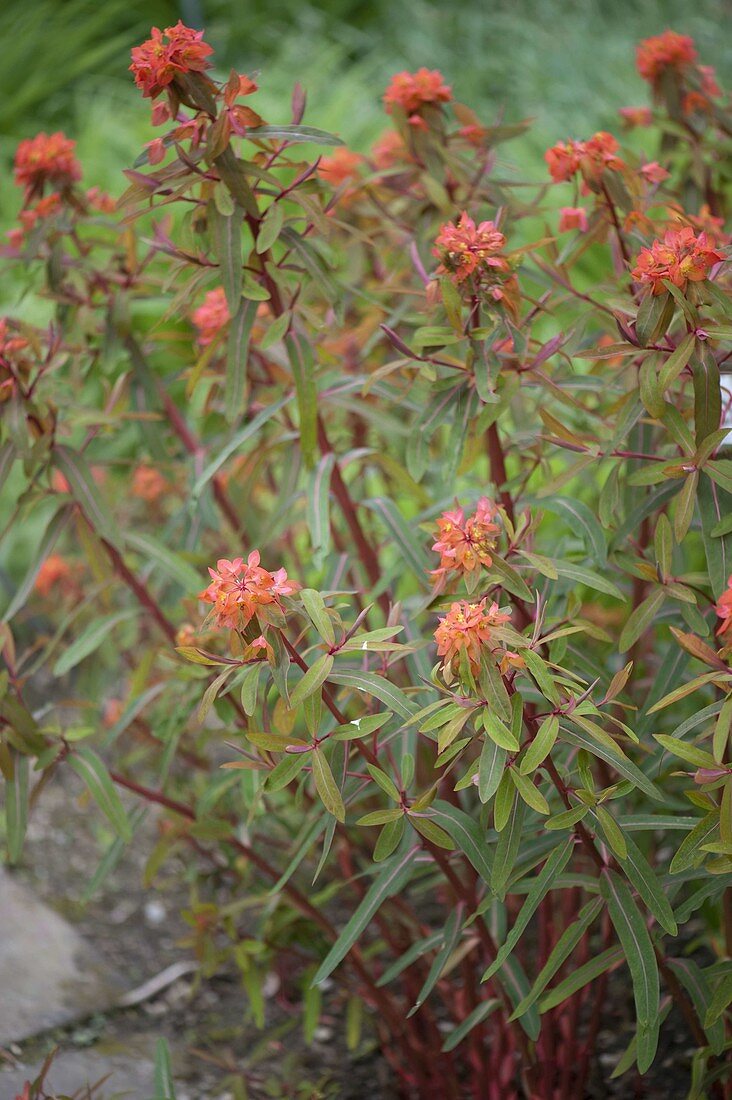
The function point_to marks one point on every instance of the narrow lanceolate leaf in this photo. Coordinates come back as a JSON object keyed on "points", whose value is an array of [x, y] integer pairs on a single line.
{"points": [[318, 614], [480, 1012], [616, 759], [697, 986], [303, 373], [470, 839], [406, 537], [236, 443], [237, 354], [326, 785], [707, 394], [507, 848], [684, 506], [295, 134], [676, 362], [581, 977], [582, 522], [164, 1084], [89, 641], [611, 830], [638, 949], [227, 245], [174, 567], [371, 684], [318, 507], [392, 877], [490, 769], [95, 777], [16, 806], [450, 938], [316, 675], [644, 879], [84, 490], [588, 577], [55, 527], [721, 998], [715, 504], [541, 746], [541, 885], [640, 619], [530, 794], [563, 948], [690, 851]]}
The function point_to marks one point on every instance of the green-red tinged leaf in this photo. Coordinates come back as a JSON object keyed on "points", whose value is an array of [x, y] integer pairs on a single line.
{"points": [[684, 506], [689, 753], [318, 506], [237, 356], [531, 795], [620, 763], [450, 938], [227, 246], [431, 832], [303, 372], [480, 1012], [638, 949], [588, 577], [541, 746], [318, 614], [581, 521], [294, 134], [540, 887], [387, 785], [269, 227], [612, 832], [580, 977], [644, 878], [89, 641], [405, 537], [326, 785], [469, 837], [654, 317], [93, 773], [389, 839], [640, 620], [371, 684], [392, 877], [507, 848], [567, 819], [707, 394], [16, 805], [715, 505], [498, 731], [676, 361], [690, 851], [490, 769]]}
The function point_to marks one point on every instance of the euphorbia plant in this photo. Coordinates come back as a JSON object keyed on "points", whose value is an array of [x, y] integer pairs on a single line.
{"points": [[459, 462]]}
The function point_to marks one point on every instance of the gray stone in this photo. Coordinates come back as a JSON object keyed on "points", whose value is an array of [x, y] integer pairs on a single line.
{"points": [[128, 1067], [48, 974]]}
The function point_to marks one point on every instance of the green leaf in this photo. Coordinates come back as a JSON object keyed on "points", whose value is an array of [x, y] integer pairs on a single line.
{"points": [[236, 443], [676, 361], [644, 879], [164, 1084], [587, 577], [540, 672], [294, 134], [567, 819], [707, 394], [580, 977], [392, 877], [414, 952], [480, 1012], [84, 490], [498, 731], [431, 832], [269, 227], [490, 769], [617, 761], [237, 353], [303, 373], [714, 505], [540, 887], [404, 536], [638, 949], [640, 620], [226, 232], [318, 613], [721, 998], [383, 780], [654, 316], [95, 777], [689, 853], [696, 985], [316, 675], [507, 848], [172, 564], [56, 525], [561, 951], [371, 684], [326, 785], [16, 805], [389, 839], [318, 507], [582, 521], [541, 746], [612, 832], [469, 837], [531, 795], [689, 753], [249, 683], [450, 938], [90, 640]]}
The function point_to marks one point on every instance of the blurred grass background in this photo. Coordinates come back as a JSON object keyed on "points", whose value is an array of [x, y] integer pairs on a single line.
{"points": [[568, 63]]}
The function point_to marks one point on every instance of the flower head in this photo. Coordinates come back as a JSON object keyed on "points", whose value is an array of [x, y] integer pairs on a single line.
{"points": [[467, 248], [413, 91], [724, 609], [343, 165], [239, 589], [148, 484], [466, 545], [54, 572], [157, 62], [211, 316], [468, 628], [572, 217], [591, 157], [636, 116], [664, 51], [681, 257], [46, 158], [653, 172]]}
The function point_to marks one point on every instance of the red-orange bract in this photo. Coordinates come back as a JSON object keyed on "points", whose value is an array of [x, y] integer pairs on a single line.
{"points": [[166, 54]]}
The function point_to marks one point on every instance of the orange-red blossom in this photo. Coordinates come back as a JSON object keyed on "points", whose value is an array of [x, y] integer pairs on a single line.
{"points": [[414, 91], [669, 50], [591, 158], [468, 627], [46, 158], [681, 257], [239, 589], [465, 545], [176, 50], [724, 609], [211, 316]]}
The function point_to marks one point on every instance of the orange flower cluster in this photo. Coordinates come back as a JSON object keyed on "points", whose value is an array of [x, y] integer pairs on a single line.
{"points": [[636, 116], [681, 257], [211, 316], [413, 91], [591, 158], [148, 484], [238, 590], [389, 150], [46, 158], [468, 627], [54, 572], [466, 247], [157, 62], [669, 50], [572, 217], [342, 166], [465, 545], [724, 609]]}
